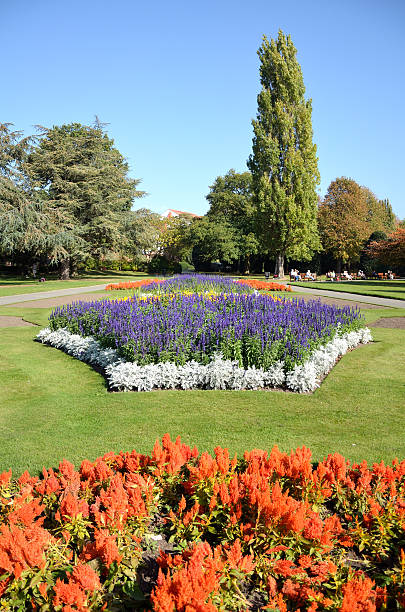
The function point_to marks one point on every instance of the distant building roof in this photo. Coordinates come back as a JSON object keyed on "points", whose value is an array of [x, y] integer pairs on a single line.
{"points": [[170, 212]]}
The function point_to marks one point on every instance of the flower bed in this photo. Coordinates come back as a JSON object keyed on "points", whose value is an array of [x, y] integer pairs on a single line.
{"points": [[198, 283], [252, 340], [217, 374], [196, 331], [179, 531], [132, 284], [254, 330], [263, 285]]}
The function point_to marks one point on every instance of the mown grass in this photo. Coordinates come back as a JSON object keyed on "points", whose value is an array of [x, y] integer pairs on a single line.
{"points": [[54, 406], [16, 286], [383, 288]]}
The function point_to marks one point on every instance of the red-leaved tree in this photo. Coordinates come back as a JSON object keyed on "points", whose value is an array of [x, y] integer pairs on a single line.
{"points": [[390, 251]]}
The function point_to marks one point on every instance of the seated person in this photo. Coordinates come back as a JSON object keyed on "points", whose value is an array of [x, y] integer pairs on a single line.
{"points": [[308, 275], [390, 275], [346, 275], [361, 274]]}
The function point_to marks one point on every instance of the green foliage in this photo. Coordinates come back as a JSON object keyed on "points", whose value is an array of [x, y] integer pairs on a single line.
{"points": [[141, 233], [82, 175], [343, 218], [213, 241], [380, 217], [27, 225], [159, 264], [65, 196], [231, 203], [175, 239], [283, 164]]}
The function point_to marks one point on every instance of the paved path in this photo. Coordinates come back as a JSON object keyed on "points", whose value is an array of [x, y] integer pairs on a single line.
{"points": [[26, 297], [355, 297]]}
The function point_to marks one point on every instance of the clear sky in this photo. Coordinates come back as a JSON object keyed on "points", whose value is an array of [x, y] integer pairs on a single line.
{"points": [[177, 83]]}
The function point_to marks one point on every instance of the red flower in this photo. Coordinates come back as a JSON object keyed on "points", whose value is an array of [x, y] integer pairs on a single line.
{"points": [[71, 507], [22, 548], [86, 577], [104, 546], [5, 478], [69, 593], [358, 596]]}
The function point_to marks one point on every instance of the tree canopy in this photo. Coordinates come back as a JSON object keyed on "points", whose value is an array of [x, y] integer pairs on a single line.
{"points": [[348, 216], [231, 203], [84, 176], [283, 163], [213, 241], [390, 251], [64, 193], [343, 219], [27, 225]]}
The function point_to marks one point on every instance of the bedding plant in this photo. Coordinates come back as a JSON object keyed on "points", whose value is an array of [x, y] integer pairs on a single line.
{"points": [[179, 531], [198, 283]]}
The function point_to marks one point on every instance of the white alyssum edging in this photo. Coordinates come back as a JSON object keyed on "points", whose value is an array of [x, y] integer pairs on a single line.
{"points": [[218, 374]]}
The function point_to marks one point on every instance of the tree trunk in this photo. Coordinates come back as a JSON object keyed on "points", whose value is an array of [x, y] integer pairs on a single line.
{"points": [[64, 269], [279, 269], [339, 266]]}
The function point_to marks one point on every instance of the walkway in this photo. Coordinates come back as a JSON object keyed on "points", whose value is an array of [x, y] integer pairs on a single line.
{"points": [[354, 297], [26, 297]]}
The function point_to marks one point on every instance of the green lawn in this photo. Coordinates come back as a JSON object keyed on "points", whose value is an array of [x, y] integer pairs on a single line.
{"points": [[54, 406], [387, 289], [16, 286]]}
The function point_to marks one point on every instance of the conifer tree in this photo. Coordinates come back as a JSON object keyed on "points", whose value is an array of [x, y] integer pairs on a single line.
{"points": [[83, 177], [283, 163], [28, 228]]}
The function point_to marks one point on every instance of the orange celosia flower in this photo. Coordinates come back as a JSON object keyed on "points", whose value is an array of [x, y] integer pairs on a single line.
{"points": [[358, 596], [71, 506], [69, 593], [86, 577], [104, 546], [133, 284], [262, 285], [22, 548], [5, 478]]}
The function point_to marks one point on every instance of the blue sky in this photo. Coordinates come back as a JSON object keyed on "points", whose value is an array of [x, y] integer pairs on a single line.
{"points": [[177, 83]]}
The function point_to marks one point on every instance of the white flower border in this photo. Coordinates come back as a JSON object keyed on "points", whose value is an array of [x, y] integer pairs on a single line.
{"points": [[218, 374]]}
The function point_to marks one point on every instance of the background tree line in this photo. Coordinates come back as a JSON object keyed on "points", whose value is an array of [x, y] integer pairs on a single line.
{"points": [[66, 199]]}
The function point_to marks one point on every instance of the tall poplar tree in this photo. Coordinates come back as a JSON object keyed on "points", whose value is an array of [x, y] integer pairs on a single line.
{"points": [[283, 163]]}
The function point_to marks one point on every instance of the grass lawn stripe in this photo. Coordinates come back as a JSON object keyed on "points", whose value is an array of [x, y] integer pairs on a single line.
{"points": [[54, 406], [387, 289]]}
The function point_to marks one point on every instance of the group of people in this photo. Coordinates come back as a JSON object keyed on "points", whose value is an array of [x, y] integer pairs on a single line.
{"points": [[297, 276], [331, 275]]}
